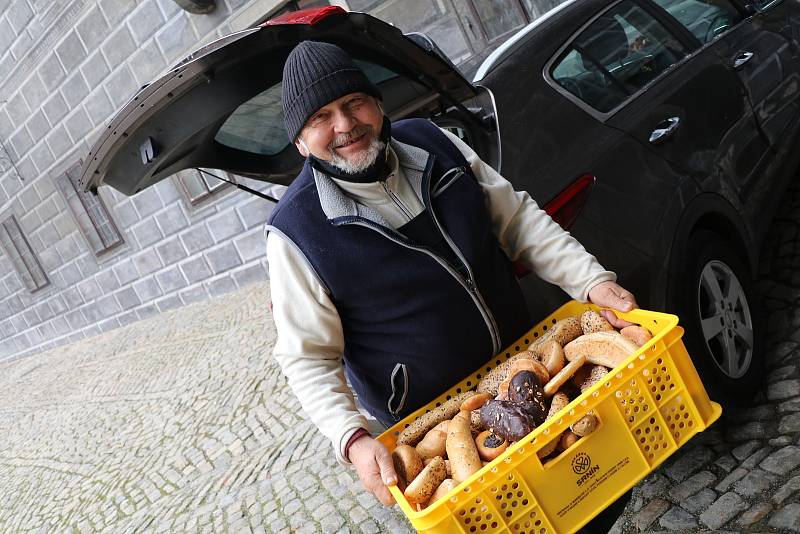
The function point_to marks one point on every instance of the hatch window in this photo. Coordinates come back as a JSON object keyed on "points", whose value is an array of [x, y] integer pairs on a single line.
{"points": [[257, 125], [622, 51]]}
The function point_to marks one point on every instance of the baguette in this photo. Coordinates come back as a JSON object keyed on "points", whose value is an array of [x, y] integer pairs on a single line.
{"points": [[461, 449]]}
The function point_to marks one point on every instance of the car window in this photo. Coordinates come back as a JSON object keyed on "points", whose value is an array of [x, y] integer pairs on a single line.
{"points": [[706, 19], [619, 53], [257, 125]]}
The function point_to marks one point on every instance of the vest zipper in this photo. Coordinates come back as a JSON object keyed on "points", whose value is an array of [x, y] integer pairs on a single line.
{"points": [[467, 283], [397, 201], [470, 279]]}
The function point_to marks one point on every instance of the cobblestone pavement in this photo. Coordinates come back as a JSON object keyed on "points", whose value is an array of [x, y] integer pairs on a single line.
{"points": [[178, 423], [183, 423]]}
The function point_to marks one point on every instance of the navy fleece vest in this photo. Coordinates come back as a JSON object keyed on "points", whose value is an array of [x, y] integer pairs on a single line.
{"points": [[413, 324]]}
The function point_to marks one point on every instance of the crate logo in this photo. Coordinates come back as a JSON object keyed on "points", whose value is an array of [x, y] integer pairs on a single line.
{"points": [[582, 465]]}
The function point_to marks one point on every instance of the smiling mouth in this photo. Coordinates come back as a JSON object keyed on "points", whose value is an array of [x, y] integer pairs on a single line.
{"points": [[351, 141]]}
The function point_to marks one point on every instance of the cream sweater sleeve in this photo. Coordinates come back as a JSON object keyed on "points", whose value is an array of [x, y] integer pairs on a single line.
{"points": [[527, 233], [310, 343]]}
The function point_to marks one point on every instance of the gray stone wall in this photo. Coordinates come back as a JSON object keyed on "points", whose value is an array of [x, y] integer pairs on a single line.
{"points": [[65, 67]]}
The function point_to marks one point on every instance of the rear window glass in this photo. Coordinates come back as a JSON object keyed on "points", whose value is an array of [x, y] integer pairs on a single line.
{"points": [[706, 19], [257, 125], [619, 53]]}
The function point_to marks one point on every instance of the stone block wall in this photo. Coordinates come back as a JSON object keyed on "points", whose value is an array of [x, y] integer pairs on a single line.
{"points": [[65, 67]]}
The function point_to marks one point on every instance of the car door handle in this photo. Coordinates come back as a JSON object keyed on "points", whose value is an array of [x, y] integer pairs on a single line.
{"points": [[741, 59], [664, 130]]}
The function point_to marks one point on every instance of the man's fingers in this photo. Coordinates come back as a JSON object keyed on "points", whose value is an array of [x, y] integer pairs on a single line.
{"points": [[383, 495], [386, 466], [615, 321]]}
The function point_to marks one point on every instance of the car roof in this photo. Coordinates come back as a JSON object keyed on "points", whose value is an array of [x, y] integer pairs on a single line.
{"points": [[504, 49]]}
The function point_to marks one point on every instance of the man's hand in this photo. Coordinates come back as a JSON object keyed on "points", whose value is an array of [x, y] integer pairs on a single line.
{"points": [[612, 295], [374, 466]]}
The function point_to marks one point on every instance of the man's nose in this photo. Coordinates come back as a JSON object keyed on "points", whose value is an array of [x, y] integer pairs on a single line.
{"points": [[344, 122]]}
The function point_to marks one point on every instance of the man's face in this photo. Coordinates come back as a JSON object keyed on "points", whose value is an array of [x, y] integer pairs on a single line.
{"points": [[344, 132]]}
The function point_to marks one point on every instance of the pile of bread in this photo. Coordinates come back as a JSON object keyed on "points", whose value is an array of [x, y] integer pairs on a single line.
{"points": [[446, 445]]}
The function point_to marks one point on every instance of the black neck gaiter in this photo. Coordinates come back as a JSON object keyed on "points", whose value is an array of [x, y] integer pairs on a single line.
{"points": [[376, 172]]}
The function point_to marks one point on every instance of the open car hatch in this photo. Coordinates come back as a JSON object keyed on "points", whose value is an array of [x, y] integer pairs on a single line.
{"points": [[221, 106]]}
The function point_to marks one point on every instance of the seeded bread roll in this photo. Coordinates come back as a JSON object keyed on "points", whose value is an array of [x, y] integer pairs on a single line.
{"points": [[596, 374], [591, 321], [585, 425], [414, 432], [491, 381], [566, 330], [419, 491]]}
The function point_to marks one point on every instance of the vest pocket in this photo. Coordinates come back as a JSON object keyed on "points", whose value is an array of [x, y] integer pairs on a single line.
{"points": [[447, 179], [399, 383]]}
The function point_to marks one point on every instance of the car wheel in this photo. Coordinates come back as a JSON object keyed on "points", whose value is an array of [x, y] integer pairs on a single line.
{"points": [[717, 306]]}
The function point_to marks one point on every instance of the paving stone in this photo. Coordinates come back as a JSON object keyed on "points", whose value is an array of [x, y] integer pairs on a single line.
{"points": [[787, 518], [792, 405], [690, 462], [727, 463], [755, 514], [780, 441], [756, 458], [789, 424], [677, 519], [783, 460], [728, 481], [754, 483], [782, 373], [783, 389], [692, 485], [723, 510], [787, 490], [647, 515]]}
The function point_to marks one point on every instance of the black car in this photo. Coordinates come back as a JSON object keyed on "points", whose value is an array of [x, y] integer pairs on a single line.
{"points": [[660, 132]]}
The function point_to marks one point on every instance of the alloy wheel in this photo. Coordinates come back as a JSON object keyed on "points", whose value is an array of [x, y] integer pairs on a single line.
{"points": [[725, 318]]}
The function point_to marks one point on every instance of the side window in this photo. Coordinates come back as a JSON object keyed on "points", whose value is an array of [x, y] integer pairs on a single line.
{"points": [[90, 213], [198, 186], [706, 19], [618, 54], [21, 254]]}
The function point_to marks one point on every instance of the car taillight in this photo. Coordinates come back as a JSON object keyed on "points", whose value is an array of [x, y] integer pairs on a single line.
{"points": [[306, 16], [567, 205], [564, 209]]}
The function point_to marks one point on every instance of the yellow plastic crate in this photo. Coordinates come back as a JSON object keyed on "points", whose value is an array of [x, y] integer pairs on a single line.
{"points": [[648, 407]]}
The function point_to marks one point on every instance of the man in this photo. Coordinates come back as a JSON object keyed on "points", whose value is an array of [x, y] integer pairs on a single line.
{"points": [[391, 250]]}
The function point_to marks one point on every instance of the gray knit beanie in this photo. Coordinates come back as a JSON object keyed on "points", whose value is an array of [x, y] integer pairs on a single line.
{"points": [[316, 74]]}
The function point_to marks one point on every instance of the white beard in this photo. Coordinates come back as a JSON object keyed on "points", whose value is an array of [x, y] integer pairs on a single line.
{"points": [[360, 161]]}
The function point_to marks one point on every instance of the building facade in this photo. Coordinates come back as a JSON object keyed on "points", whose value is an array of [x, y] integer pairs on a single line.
{"points": [[72, 264]]}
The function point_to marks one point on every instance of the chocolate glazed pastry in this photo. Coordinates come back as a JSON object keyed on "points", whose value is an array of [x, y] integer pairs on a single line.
{"points": [[516, 417], [526, 389]]}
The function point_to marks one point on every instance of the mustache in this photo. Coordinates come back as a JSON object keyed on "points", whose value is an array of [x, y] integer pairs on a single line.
{"points": [[345, 138]]}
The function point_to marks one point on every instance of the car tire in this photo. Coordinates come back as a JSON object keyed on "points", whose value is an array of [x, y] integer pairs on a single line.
{"points": [[718, 308]]}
